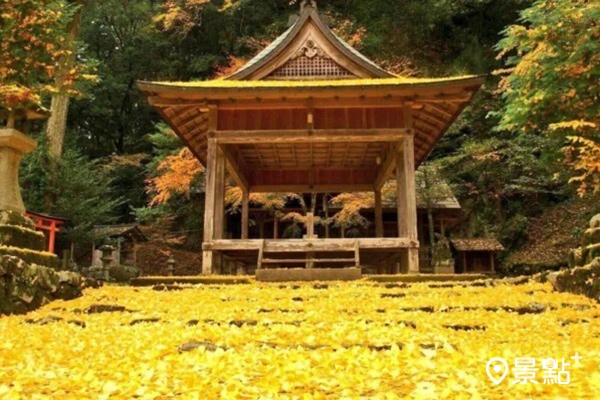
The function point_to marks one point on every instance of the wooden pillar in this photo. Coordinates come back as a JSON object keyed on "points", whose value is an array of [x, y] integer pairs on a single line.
{"points": [[310, 234], [245, 213], [310, 225], [52, 236], [326, 211], [407, 202], [493, 267], [261, 227], [378, 215], [275, 227], [214, 211], [135, 252]]}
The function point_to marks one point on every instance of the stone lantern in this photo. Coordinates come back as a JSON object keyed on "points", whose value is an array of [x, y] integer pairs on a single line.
{"points": [[13, 144], [170, 265]]}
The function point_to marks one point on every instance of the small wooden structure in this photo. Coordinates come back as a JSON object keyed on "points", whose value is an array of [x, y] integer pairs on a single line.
{"points": [[310, 114], [475, 255], [48, 225], [126, 237]]}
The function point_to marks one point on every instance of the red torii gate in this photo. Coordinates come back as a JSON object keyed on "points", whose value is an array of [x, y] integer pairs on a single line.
{"points": [[49, 225]]}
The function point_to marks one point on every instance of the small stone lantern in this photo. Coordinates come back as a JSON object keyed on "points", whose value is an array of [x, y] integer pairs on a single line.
{"points": [[170, 265], [106, 258]]}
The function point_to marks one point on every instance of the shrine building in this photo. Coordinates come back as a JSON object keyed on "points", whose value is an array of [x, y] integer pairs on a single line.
{"points": [[310, 114]]}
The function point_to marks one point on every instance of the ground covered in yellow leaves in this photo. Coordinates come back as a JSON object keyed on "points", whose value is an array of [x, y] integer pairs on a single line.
{"points": [[340, 340]]}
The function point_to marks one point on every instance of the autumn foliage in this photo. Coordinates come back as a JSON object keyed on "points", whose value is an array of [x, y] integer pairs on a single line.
{"points": [[551, 81], [176, 173], [349, 340], [33, 33]]}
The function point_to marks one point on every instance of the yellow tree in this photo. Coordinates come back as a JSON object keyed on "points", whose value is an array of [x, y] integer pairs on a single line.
{"points": [[551, 81]]}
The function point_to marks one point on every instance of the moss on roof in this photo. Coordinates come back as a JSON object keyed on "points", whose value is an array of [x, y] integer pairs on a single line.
{"points": [[223, 83], [477, 244]]}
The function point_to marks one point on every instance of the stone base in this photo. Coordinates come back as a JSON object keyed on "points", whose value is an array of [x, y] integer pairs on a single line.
{"points": [[307, 275], [25, 287], [580, 280], [444, 268], [18, 238], [190, 280]]}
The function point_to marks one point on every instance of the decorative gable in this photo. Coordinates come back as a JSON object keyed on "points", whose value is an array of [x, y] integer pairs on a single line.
{"points": [[310, 61], [309, 49]]}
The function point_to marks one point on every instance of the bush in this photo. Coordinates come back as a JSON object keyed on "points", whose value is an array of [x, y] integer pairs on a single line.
{"points": [[81, 192]]}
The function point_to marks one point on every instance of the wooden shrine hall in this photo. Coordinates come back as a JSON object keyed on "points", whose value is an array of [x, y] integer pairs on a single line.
{"points": [[310, 114]]}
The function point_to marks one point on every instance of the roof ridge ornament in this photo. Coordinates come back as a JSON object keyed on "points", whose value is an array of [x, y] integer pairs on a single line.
{"points": [[308, 3]]}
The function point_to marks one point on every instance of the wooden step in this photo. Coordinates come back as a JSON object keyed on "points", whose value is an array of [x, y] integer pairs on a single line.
{"points": [[305, 260]]}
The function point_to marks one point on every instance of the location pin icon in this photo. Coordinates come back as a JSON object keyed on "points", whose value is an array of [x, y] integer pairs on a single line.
{"points": [[497, 369]]}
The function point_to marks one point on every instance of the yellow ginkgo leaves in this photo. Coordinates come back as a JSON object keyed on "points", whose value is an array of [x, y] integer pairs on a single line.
{"points": [[350, 340]]}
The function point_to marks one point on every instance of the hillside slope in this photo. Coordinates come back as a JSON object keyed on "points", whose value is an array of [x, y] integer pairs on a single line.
{"points": [[551, 235]]}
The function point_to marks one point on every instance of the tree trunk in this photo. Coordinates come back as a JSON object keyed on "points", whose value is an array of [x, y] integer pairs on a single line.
{"points": [[57, 123], [59, 108]]}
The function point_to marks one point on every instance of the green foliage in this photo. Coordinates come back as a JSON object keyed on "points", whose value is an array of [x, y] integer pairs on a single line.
{"points": [[82, 188], [501, 181]]}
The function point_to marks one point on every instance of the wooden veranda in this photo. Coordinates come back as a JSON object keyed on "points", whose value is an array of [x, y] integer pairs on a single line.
{"points": [[310, 114]]}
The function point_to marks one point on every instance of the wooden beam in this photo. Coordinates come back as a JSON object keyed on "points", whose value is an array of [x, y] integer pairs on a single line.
{"points": [[308, 136], [324, 188], [439, 108], [378, 215], [341, 96], [436, 118], [387, 167], [235, 168], [432, 126], [316, 245], [159, 101]]}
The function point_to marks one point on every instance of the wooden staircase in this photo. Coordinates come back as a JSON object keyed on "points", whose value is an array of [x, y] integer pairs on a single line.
{"points": [[309, 257]]}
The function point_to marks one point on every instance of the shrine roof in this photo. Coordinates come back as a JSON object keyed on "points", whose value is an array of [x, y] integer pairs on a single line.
{"points": [[477, 244], [149, 86]]}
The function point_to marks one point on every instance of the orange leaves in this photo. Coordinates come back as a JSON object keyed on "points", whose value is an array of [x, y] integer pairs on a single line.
{"points": [[13, 95], [233, 65], [180, 16], [32, 32], [178, 173]]}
